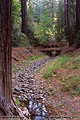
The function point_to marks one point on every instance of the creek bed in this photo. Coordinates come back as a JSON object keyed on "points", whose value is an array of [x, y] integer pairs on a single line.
{"points": [[25, 90], [38, 110]]}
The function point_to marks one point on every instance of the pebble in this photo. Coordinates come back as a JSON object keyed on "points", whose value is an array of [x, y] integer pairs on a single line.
{"points": [[51, 89], [18, 89], [25, 88]]}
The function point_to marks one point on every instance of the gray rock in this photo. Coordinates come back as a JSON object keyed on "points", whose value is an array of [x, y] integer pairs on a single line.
{"points": [[18, 89]]}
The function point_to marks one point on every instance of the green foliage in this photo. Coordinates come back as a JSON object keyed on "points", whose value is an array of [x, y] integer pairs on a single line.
{"points": [[57, 64], [43, 20], [72, 84], [72, 64], [17, 102], [59, 23], [64, 39], [19, 38], [35, 58], [64, 62], [39, 21], [30, 24], [16, 7], [12, 89], [44, 28], [49, 71], [14, 66], [36, 13]]}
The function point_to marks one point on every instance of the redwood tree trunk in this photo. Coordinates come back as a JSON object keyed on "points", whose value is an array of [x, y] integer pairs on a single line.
{"points": [[5, 57], [5, 49], [69, 22], [77, 15], [24, 16]]}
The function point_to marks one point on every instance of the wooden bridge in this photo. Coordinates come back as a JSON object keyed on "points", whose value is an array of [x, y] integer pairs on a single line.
{"points": [[51, 51]]}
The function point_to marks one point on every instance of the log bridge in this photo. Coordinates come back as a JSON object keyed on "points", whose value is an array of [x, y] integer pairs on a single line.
{"points": [[51, 51]]}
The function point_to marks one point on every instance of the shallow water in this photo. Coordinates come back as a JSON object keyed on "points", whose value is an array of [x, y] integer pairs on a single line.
{"points": [[38, 110]]}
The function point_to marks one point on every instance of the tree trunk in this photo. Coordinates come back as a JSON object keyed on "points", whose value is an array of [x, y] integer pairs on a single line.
{"points": [[77, 15], [24, 16], [65, 16], [53, 14], [69, 22], [6, 105], [73, 9]]}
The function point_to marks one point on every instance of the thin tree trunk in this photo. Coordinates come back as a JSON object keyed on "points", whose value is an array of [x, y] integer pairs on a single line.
{"points": [[77, 15], [65, 16], [53, 14], [73, 9], [24, 16], [69, 22], [40, 9]]}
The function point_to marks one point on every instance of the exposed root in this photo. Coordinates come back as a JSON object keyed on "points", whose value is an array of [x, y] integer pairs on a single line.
{"points": [[7, 109]]}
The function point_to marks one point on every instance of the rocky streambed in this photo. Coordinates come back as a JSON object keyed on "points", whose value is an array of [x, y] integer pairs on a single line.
{"points": [[30, 95]]}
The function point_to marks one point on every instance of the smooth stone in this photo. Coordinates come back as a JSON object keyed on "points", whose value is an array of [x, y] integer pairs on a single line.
{"points": [[18, 89]]}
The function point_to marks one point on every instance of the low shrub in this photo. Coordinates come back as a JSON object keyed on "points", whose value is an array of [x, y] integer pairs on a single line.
{"points": [[55, 65], [19, 38], [64, 62], [71, 84]]}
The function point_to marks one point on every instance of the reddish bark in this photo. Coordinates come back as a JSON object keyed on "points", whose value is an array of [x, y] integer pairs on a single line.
{"points": [[6, 103], [69, 22], [5, 49], [77, 15], [24, 16]]}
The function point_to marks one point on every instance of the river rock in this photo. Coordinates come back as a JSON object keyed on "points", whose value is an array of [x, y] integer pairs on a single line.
{"points": [[26, 88], [18, 89]]}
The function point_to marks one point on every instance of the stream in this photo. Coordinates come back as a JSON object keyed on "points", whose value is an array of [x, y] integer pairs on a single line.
{"points": [[39, 110], [28, 92]]}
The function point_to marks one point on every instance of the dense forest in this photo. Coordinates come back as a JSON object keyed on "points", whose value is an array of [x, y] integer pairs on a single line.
{"points": [[45, 21], [39, 59]]}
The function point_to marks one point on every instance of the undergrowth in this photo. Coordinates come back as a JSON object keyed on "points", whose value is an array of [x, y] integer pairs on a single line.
{"points": [[70, 82], [64, 62], [35, 58], [55, 65]]}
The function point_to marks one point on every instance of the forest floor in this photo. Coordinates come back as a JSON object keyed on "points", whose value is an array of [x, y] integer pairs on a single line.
{"points": [[58, 90]]}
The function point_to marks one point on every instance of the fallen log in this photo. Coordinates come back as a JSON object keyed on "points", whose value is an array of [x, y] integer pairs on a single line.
{"points": [[50, 49]]}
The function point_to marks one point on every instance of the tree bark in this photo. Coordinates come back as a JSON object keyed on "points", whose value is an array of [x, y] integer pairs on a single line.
{"points": [[24, 16], [77, 15], [6, 104], [53, 14], [69, 22], [65, 16]]}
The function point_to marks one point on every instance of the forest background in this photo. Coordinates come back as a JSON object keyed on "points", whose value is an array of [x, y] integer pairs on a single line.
{"points": [[47, 21]]}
